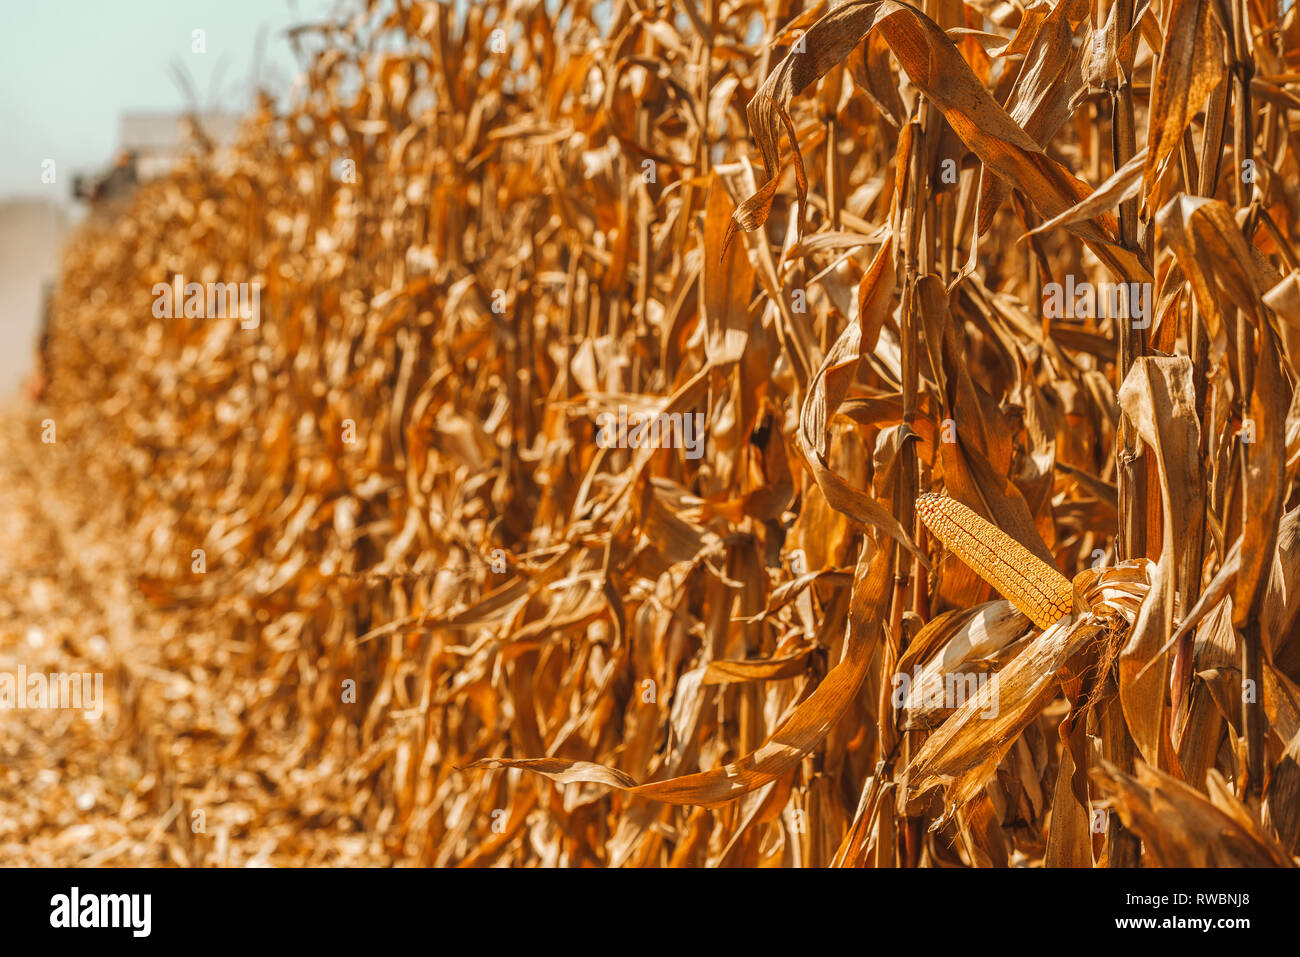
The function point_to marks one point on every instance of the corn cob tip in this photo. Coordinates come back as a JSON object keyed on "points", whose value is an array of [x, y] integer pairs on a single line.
{"points": [[928, 501]]}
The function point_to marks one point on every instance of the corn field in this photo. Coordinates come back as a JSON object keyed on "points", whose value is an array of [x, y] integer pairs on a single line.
{"points": [[727, 433]]}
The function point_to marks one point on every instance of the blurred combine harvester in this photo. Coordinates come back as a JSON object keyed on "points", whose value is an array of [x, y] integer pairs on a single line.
{"points": [[149, 144]]}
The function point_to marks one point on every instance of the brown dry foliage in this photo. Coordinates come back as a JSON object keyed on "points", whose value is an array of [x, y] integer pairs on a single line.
{"points": [[573, 655]]}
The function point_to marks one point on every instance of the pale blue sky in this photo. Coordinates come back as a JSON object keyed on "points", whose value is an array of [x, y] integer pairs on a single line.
{"points": [[69, 68]]}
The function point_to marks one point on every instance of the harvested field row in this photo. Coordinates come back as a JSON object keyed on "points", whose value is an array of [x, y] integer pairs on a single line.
{"points": [[557, 498]]}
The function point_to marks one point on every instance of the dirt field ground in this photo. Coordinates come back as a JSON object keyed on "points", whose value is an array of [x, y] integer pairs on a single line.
{"points": [[76, 791]]}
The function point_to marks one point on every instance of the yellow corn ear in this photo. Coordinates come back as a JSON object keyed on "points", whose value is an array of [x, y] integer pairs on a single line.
{"points": [[1024, 579]]}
